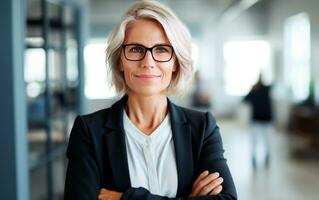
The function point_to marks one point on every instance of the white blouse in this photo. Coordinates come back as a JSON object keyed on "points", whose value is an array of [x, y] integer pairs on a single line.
{"points": [[151, 159]]}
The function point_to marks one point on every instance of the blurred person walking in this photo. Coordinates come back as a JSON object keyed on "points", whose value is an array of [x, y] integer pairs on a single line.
{"points": [[261, 120]]}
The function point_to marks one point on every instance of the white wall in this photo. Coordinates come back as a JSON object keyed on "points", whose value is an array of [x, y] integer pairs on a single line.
{"points": [[279, 11]]}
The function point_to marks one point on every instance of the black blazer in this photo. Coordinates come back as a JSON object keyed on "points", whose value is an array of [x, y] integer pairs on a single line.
{"points": [[97, 154]]}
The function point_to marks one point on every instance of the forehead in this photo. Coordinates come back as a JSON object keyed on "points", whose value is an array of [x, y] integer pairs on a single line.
{"points": [[146, 32]]}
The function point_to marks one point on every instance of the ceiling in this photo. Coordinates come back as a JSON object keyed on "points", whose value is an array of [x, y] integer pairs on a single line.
{"points": [[196, 14], [190, 11]]}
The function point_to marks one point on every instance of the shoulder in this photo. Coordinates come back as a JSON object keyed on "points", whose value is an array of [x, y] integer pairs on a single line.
{"points": [[100, 118], [87, 128], [96, 118], [196, 118], [192, 114], [81, 136]]}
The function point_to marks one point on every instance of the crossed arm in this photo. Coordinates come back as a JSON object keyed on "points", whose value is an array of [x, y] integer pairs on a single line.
{"points": [[205, 184]]}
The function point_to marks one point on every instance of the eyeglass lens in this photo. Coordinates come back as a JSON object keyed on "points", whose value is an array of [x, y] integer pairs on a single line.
{"points": [[160, 53]]}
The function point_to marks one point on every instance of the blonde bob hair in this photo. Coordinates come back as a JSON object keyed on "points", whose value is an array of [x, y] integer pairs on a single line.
{"points": [[177, 34]]}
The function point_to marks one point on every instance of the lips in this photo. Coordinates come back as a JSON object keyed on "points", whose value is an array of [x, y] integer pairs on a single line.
{"points": [[147, 76]]}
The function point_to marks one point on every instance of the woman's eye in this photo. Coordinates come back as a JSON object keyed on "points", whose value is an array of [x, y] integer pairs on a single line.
{"points": [[161, 50], [136, 50]]}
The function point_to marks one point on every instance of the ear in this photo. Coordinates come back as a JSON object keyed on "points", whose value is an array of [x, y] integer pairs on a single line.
{"points": [[176, 64], [174, 68]]}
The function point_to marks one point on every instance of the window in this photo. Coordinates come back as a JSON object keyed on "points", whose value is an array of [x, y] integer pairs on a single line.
{"points": [[34, 71], [96, 84], [244, 61], [297, 55], [34, 65]]}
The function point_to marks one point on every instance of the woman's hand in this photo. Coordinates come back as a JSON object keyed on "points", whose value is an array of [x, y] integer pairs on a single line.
{"points": [[109, 195], [207, 184]]}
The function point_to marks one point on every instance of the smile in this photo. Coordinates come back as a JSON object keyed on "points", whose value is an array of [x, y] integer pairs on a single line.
{"points": [[147, 76]]}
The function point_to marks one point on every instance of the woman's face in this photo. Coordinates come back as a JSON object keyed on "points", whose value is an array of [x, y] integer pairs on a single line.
{"points": [[146, 76]]}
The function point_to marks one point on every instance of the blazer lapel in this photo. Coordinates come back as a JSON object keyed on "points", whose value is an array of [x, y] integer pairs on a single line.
{"points": [[116, 147], [183, 149]]}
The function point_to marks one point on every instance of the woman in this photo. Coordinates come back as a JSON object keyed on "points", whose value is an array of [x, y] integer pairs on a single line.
{"points": [[144, 146]]}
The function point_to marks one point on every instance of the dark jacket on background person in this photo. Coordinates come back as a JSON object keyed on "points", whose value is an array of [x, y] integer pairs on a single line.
{"points": [[259, 98]]}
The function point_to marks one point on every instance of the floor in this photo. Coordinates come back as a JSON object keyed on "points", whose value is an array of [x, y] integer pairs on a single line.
{"points": [[286, 178]]}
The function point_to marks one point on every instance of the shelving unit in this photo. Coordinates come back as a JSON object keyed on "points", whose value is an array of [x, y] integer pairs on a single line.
{"points": [[53, 86]]}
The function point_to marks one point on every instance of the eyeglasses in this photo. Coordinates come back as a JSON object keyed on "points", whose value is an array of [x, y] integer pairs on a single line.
{"points": [[137, 52]]}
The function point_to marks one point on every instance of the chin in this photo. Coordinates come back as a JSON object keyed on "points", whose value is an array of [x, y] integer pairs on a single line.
{"points": [[149, 91]]}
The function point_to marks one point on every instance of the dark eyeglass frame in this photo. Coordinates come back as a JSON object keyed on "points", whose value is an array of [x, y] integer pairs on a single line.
{"points": [[148, 49]]}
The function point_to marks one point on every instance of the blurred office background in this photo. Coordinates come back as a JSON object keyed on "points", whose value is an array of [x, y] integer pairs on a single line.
{"points": [[52, 68]]}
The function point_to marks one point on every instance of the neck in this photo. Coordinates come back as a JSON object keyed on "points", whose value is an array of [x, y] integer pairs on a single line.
{"points": [[146, 112]]}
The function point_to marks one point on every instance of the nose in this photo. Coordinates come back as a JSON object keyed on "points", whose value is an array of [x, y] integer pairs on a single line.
{"points": [[148, 60]]}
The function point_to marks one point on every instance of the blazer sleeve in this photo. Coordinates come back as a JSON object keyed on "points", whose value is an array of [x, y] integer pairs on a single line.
{"points": [[211, 158], [144, 194], [82, 176]]}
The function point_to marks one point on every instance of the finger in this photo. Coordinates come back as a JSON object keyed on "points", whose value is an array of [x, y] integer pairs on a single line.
{"points": [[203, 182], [208, 179], [195, 188], [201, 176], [211, 186], [217, 190], [103, 190], [101, 197]]}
